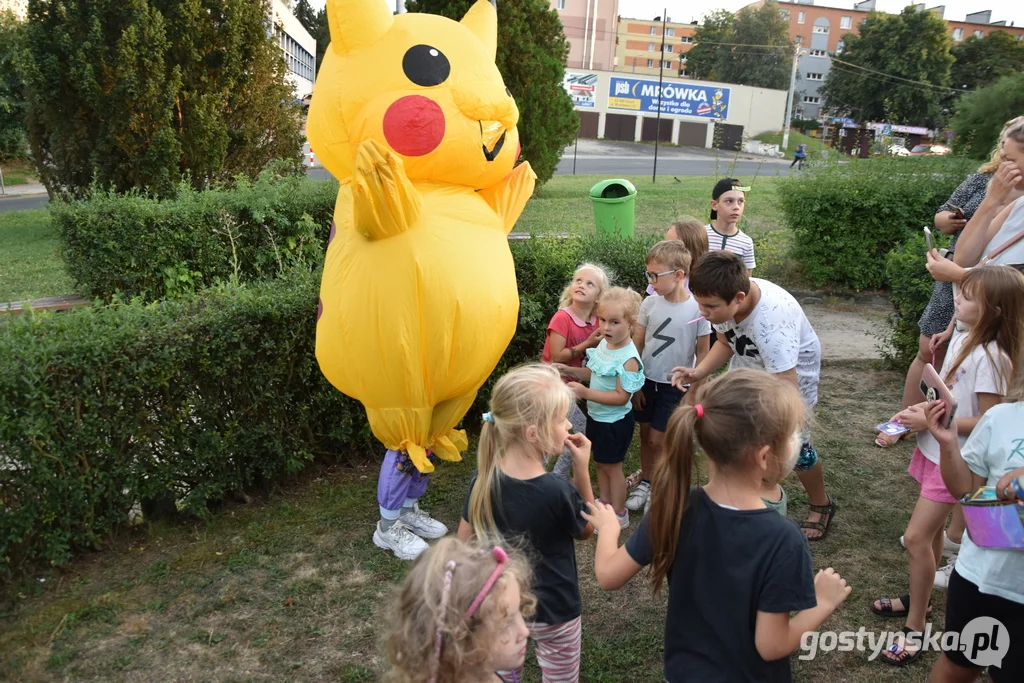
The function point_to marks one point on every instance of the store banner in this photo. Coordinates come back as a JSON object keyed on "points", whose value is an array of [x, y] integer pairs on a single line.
{"points": [[681, 99]]}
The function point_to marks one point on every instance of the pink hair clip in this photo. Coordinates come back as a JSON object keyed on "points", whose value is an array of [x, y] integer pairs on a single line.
{"points": [[501, 557]]}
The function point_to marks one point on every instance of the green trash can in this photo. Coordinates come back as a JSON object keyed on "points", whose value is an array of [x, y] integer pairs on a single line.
{"points": [[614, 207]]}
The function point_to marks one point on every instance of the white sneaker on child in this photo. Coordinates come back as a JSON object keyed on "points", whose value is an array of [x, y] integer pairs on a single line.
{"points": [[623, 519], [942, 575], [398, 539], [422, 524], [638, 498]]}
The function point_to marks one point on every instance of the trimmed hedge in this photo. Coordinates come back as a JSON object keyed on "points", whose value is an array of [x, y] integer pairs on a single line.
{"points": [[139, 246], [910, 288], [846, 217], [190, 399]]}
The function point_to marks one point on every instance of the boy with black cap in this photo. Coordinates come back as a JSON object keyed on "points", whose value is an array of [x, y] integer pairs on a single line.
{"points": [[727, 204]]}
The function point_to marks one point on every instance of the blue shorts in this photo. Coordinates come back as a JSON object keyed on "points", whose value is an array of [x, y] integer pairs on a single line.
{"points": [[660, 399], [609, 441]]}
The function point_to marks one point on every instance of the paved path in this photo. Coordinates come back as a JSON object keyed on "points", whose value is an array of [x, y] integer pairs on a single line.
{"points": [[849, 329]]}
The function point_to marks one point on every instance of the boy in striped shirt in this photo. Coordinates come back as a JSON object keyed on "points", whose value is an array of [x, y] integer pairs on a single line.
{"points": [[727, 203]]}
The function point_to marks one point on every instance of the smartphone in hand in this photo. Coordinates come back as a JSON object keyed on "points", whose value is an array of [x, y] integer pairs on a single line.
{"points": [[958, 213], [928, 238]]}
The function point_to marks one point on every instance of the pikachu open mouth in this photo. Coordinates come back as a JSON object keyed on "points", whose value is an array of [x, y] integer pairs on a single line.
{"points": [[492, 134]]}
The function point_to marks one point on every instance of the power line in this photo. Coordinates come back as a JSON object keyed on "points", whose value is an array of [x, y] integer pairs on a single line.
{"points": [[898, 78], [912, 84]]}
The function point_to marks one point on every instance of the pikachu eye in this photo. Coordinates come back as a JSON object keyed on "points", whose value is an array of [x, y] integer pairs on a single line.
{"points": [[426, 66]]}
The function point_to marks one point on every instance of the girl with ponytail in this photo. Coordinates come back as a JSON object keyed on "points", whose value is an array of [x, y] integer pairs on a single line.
{"points": [[736, 569], [513, 500]]}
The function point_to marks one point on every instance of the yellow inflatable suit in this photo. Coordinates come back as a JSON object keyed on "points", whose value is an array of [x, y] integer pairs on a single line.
{"points": [[418, 298]]}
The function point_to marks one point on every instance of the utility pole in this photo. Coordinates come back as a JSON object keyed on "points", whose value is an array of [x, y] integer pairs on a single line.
{"points": [[661, 78], [789, 98]]}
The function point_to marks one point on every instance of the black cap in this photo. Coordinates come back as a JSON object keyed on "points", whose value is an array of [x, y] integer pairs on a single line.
{"points": [[721, 187]]}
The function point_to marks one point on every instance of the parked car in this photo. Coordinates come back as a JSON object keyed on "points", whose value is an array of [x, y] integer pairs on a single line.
{"points": [[929, 150], [899, 151]]}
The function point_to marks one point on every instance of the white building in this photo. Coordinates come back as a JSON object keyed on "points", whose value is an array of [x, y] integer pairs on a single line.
{"points": [[19, 7], [298, 46]]}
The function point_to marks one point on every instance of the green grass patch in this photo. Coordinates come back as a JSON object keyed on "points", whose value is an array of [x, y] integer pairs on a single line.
{"points": [[292, 586], [795, 138], [18, 172], [30, 265], [563, 204]]}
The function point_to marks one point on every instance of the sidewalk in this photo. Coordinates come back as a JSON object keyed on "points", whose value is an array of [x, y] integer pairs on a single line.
{"points": [[25, 190]]}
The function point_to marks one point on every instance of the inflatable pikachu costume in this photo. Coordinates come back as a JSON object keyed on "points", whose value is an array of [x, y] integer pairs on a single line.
{"points": [[418, 299]]}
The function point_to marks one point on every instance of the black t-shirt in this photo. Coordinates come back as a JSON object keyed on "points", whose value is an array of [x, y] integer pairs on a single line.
{"points": [[729, 565], [541, 517]]}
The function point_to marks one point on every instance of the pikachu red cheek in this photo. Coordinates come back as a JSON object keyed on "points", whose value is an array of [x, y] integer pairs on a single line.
{"points": [[414, 125]]}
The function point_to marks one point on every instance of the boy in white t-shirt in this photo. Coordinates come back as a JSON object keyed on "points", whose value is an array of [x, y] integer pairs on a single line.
{"points": [[728, 199], [764, 328], [669, 332]]}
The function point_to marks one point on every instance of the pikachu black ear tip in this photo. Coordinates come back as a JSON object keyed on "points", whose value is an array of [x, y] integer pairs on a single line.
{"points": [[494, 4]]}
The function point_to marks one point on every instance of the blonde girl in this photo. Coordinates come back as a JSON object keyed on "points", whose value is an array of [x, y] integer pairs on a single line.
{"points": [[981, 361], [614, 372], [459, 616], [735, 568], [511, 496], [572, 330]]}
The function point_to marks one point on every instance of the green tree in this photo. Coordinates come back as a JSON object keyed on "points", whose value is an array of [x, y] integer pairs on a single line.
{"points": [[981, 61], [759, 67], [906, 66], [315, 22], [717, 28], [13, 142], [532, 50], [981, 114], [144, 93]]}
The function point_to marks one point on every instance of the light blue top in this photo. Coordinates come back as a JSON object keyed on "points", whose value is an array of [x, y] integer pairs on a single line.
{"points": [[995, 447], [606, 366]]}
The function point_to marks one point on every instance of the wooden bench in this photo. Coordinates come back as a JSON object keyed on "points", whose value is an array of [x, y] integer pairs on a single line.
{"points": [[52, 303]]}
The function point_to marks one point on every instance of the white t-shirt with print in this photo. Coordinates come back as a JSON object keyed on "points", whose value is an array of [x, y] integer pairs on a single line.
{"points": [[776, 337], [995, 447], [980, 373]]}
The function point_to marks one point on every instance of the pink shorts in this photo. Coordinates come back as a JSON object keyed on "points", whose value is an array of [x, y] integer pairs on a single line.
{"points": [[928, 476]]}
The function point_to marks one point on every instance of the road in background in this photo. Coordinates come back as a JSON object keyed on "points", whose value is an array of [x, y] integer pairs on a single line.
{"points": [[592, 157]]}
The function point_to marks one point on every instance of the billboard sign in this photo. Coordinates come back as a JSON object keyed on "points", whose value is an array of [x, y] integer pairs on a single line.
{"points": [[680, 99], [581, 88]]}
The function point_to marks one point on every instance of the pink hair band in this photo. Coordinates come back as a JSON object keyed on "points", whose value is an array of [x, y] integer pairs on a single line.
{"points": [[501, 557]]}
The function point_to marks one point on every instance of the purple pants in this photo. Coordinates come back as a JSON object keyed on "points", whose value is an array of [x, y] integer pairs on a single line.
{"points": [[399, 479]]}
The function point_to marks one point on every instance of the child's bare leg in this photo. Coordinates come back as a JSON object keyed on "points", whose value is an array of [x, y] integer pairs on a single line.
{"points": [[646, 452], [957, 525], [924, 548], [616, 487], [602, 483]]}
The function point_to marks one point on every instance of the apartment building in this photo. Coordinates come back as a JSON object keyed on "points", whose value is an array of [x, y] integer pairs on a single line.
{"points": [[638, 48], [819, 30], [298, 46], [590, 27]]}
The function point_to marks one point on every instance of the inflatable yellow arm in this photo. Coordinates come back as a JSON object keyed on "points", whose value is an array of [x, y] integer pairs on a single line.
{"points": [[385, 203]]}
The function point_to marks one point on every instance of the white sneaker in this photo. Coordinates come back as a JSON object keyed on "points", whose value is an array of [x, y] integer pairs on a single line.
{"points": [[942, 575], [399, 540], [623, 520], [639, 496], [949, 548], [422, 524]]}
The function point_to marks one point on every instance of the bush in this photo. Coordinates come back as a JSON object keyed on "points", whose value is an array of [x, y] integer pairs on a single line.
{"points": [[185, 400], [910, 288], [846, 217], [143, 247]]}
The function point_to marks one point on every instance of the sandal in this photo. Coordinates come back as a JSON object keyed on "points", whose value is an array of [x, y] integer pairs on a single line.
{"points": [[901, 656], [886, 609], [884, 440], [828, 512]]}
